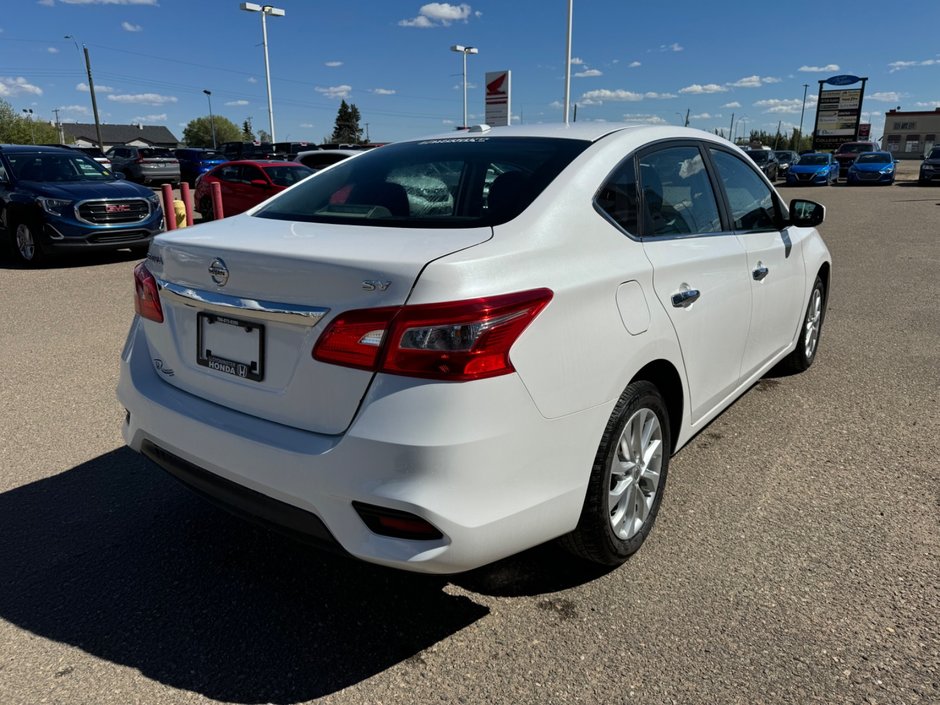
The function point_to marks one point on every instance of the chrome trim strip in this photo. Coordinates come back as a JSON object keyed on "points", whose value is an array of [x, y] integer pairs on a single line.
{"points": [[241, 307]]}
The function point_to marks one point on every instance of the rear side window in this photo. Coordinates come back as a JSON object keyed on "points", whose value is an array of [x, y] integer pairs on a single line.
{"points": [[443, 183], [287, 175], [619, 199]]}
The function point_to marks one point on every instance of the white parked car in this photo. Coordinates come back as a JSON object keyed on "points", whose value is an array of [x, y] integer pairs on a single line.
{"points": [[434, 390]]}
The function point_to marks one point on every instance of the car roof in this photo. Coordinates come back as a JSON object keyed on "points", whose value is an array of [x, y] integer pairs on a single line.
{"points": [[347, 152], [14, 148], [262, 162], [588, 131]]}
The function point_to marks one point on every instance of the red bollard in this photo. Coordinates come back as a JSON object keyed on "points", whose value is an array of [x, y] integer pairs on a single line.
{"points": [[187, 202], [168, 210], [217, 200]]}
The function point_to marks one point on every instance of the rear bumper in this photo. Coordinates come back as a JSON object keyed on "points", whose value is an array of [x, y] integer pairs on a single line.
{"points": [[476, 460]]}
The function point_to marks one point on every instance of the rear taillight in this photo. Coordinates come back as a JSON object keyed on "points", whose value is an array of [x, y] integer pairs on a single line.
{"points": [[455, 341], [146, 294]]}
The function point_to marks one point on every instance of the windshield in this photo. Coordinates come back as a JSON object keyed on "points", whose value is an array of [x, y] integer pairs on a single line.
{"points": [[442, 183], [48, 167], [814, 159], [759, 155], [784, 156], [874, 158], [934, 153], [287, 175]]}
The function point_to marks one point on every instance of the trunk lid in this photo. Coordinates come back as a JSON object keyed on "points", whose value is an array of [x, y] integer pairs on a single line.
{"points": [[273, 288]]}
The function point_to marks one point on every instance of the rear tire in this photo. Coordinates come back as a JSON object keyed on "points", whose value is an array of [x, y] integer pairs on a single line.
{"points": [[205, 209], [627, 479], [803, 356]]}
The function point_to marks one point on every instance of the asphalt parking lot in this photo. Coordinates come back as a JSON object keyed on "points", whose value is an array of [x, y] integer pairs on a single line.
{"points": [[796, 558]]}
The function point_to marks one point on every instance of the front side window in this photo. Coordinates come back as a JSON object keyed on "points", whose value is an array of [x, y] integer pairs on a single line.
{"points": [[441, 183], [677, 195], [751, 200], [286, 175]]}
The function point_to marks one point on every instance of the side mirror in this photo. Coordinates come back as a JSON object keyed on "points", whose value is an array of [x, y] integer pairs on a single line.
{"points": [[260, 183], [806, 214], [118, 174]]}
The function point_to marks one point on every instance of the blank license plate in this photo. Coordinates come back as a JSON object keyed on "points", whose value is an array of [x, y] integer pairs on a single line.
{"points": [[230, 346]]}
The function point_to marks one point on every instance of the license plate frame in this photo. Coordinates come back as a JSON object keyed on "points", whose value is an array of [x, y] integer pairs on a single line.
{"points": [[251, 368]]}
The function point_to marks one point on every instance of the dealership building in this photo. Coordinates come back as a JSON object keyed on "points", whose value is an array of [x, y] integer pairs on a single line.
{"points": [[910, 135]]}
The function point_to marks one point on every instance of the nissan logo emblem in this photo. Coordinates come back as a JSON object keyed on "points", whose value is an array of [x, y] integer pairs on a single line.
{"points": [[218, 271]]}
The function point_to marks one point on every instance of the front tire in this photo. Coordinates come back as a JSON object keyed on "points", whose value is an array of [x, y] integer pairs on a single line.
{"points": [[803, 356], [26, 247], [627, 479]]}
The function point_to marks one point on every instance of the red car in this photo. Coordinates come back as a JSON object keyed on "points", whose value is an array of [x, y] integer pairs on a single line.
{"points": [[245, 184]]}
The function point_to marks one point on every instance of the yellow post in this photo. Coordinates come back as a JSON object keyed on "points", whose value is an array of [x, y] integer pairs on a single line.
{"points": [[179, 212]]}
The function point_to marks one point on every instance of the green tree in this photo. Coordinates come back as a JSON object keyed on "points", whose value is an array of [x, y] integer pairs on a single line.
{"points": [[347, 128], [248, 134], [16, 128], [263, 136], [198, 133]]}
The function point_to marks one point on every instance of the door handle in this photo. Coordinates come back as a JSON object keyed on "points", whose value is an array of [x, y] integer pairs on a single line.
{"points": [[760, 272], [685, 298]]}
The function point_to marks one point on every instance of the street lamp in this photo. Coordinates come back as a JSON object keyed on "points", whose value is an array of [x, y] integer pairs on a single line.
{"points": [[29, 119], [265, 10], [91, 89], [464, 50], [211, 119]]}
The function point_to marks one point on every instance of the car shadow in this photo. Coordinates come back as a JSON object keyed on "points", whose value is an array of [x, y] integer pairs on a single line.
{"points": [[71, 261], [117, 559]]}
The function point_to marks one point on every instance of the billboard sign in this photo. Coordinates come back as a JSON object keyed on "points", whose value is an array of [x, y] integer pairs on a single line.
{"points": [[838, 112], [498, 96], [864, 131]]}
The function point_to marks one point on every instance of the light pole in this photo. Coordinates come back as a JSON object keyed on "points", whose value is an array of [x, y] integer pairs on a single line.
{"points": [[212, 119], [265, 10], [91, 89], [460, 49], [800, 138], [568, 60], [29, 119]]}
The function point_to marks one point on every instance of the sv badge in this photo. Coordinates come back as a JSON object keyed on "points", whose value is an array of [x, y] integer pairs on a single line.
{"points": [[375, 285]]}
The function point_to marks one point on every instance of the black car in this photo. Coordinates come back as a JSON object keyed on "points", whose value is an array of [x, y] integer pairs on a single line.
{"points": [[248, 150], [196, 162], [785, 159], [290, 150], [767, 161], [930, 167], [59, 200]]}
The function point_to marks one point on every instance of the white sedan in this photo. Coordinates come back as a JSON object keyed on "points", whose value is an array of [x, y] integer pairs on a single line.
{"points": [[436, 388]]}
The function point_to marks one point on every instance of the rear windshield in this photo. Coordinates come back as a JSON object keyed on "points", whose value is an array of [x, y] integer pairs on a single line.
{"points": [[442, 183], [151, 152], [759, 155], [875, 158], [287, 175], [208, 154], [784, 156]]}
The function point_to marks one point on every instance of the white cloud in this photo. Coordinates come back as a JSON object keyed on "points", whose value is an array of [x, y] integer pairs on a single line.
{"points": [[732, 104], [128, 27], [237, 103], [634, 64], [705, 116], [145, 119], [671, 47], [589, 73], [447, 122], [885, 96], [785, 105], [439, 14], [52, 50], [80, 109], [644, 118], [771, 79], [556, 104], [696, 88], [83, 87], [928, 104], [384, 91], [307, 125], [898, 65], [819, 69], [17, 86], [575, 61], [251, 79], [333, 64], [335, 91], [747, 82], [619, 96], [143, 98]]}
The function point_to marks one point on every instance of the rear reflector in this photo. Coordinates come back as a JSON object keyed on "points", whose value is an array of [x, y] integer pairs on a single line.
{"points": [[396, 523], [146, 294], [455, 341]]}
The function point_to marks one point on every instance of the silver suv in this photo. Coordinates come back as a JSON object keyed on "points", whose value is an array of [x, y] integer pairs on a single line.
{"points": [[145, 165]]}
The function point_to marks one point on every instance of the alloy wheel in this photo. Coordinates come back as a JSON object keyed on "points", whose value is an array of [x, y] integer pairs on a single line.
{"points": [[25, 244], [813, 316], [635, 473]]}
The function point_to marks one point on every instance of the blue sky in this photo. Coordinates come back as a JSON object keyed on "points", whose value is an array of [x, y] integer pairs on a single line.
{"points": [[635, 61]]}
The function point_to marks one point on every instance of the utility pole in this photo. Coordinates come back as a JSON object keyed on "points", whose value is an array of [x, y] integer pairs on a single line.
{"points": [[58, 126], [731, 129], [688, 110], [799, 143], [91, 89]]}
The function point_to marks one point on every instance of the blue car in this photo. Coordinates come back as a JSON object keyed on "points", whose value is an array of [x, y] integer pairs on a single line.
{"points": [[60, 200], [872, 168], [814, 168], [196, 162]]}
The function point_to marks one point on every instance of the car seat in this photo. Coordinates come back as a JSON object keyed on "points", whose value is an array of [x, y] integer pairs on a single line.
{"points": [[502, 201], [385, 194]]}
